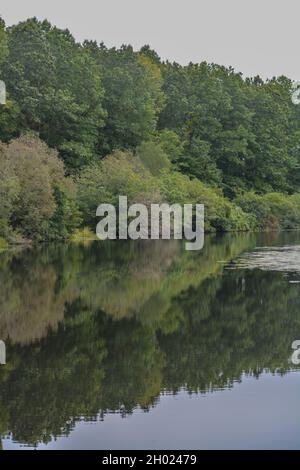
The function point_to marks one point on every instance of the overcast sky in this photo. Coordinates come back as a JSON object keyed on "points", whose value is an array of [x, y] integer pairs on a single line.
{"points": [[254, 36]]}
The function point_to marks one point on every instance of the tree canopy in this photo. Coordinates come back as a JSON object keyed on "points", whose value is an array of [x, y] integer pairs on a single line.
{"points": [[203, 127]]}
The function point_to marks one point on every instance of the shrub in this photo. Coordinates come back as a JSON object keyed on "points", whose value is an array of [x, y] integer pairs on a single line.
{"points": [[31, 187], [120, 173], [272, 211], [220, 213]]}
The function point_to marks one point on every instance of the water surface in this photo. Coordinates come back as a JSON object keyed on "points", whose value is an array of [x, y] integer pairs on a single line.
{"points": [[121, 345]]}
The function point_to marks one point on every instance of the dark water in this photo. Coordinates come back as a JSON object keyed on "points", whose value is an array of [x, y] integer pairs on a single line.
{"points": [[145, 345]]}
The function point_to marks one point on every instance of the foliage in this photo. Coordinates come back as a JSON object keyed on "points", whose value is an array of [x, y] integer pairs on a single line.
{"points": [[133, 96], [36, 197], [153, 157], [121, 173], [272, 211], [83, 235], [220, 214], [57, 87], [3, 244], [123, 122], [3, 41], [240, 134]]}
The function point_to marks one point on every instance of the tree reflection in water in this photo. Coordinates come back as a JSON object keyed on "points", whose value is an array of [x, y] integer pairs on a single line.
{"points": [[109, 326]]}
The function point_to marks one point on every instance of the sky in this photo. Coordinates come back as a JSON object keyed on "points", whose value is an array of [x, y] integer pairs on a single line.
{"points": [[256, 37]]}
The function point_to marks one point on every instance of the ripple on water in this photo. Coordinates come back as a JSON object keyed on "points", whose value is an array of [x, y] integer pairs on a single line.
{"points": [[285, 259]]}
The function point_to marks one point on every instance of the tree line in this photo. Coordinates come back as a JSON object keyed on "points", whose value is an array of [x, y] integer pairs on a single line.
{"points": [[84, 123]]}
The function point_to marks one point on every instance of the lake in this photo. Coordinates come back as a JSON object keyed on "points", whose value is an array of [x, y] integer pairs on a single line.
{"points": [[128, 345]]}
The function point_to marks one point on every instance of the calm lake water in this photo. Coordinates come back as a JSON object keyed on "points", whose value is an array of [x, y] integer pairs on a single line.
{"points": [[127, 345]]}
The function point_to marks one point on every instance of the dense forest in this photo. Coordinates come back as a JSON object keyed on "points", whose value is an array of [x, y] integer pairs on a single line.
{"points": [[84, 123]]}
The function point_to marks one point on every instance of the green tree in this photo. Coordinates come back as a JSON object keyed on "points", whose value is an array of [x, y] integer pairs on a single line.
{"points": [[120, 173], [153, 157], [33, 175], [57, 87], [3, 42], [133, 96]]}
